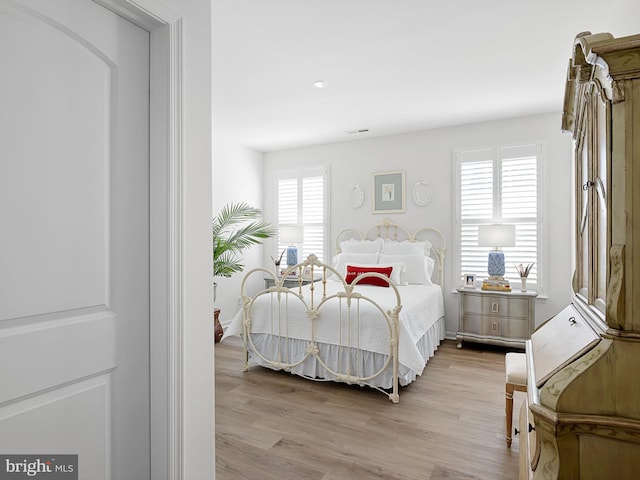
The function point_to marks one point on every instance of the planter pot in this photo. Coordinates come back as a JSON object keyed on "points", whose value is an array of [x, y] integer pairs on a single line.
{"points": [[217, 328]]}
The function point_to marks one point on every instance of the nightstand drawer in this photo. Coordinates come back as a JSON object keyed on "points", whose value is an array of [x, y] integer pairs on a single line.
{"points": [[487, 304], [514, 328]]}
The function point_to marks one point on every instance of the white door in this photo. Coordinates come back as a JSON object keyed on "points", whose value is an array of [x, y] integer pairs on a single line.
{"points": [[74, 236]]}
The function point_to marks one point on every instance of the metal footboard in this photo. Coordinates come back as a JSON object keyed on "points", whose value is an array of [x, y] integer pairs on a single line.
{"points": [[335, 325]]}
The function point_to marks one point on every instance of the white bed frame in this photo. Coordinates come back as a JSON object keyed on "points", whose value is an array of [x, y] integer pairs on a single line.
{"points": [[315, 298], [389, 230]]}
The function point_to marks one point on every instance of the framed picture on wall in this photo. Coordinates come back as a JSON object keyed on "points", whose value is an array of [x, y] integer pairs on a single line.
{"points": [[389, 192]]}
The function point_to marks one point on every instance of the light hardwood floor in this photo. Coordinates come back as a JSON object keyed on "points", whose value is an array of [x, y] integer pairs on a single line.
{"points": [[449, 423]]}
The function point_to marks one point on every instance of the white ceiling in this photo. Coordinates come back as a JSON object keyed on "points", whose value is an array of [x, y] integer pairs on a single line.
{"points": [[391, 66]]}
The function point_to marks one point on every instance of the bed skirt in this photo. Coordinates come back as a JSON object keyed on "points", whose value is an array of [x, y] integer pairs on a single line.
{"points": [[362, 361]]}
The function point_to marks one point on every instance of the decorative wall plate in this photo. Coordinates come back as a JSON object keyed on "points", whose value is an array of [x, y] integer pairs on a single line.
{"points": [[357, 196], [422, 193]]}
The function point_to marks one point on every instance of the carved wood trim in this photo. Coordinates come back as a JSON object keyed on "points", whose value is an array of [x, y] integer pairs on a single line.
{"points": [[621, 335], [615, 290], [619, 428], [617, 88], [620, 63]]}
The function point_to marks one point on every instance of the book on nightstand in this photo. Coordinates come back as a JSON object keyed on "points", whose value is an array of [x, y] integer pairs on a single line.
{"points": [[496, 284]]}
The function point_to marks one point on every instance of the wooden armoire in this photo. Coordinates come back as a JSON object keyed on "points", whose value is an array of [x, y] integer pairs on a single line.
{"points": [[582, 415]]}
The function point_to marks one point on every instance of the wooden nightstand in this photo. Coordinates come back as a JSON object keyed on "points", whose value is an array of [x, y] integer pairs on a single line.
{"points": [[289, 282], [498, 318]]}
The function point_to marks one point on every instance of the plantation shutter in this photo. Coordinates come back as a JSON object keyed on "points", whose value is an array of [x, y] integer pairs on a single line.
{"points": [[313, 215], [499, 185], [476, 207], [520, 206], [302, 200]]}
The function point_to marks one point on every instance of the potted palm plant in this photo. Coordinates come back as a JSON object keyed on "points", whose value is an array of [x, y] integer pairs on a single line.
{"points": [[236, 227]]}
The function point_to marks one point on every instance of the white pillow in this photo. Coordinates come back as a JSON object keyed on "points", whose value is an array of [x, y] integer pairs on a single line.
{"points": [[361, 246], [406, 247], [431, 265], [416, 268], [396, 272], [341, 260]]}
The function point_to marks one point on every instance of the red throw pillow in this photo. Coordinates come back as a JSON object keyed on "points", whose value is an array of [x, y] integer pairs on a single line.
{"points": [[353, 271]]}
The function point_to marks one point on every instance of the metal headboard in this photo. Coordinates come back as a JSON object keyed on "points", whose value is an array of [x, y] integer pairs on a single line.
{"points": [[389, 230]]}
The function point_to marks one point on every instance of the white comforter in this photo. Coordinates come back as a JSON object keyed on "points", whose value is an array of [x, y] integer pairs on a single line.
{"points": [[422, 305]]}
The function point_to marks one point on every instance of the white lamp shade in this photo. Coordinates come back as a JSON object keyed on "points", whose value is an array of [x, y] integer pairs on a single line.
{"points": [[292, 234], [496, 235]]}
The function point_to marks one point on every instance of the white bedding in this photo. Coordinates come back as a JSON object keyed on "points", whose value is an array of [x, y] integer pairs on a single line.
{"points": [[422, 307]]}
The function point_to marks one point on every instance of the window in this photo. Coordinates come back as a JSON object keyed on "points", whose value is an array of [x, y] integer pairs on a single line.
{"points": [[302, 200], [499, 185]]}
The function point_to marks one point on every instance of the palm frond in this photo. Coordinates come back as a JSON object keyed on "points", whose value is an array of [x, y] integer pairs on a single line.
{"points": [[234, 229], [227, 265]]}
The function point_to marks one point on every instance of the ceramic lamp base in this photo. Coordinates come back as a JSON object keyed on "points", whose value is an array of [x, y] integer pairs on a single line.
{"points": [[496, 263], [292, 256]]}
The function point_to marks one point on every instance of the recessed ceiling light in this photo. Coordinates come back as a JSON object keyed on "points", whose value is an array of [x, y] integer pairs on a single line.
{"points": [[320, 84]]}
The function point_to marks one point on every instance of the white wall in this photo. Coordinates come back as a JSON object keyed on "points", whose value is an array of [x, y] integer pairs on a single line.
{"points": [[427, 155], [237, 177], [621, 18]]}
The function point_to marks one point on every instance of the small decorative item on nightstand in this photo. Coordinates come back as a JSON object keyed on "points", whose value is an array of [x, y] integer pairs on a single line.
{"points": [[496, 284], [278, 261], [524, 273], [496, 236], [469, 280], [307, 273], [292, 235]]}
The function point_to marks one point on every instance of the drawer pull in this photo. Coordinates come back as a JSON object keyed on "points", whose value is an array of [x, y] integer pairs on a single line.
{"points": [[531, 428], [572, 320], [495, 307]]}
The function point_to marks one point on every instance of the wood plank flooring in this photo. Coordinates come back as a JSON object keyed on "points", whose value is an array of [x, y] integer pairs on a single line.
{"points": [[448, 425]]}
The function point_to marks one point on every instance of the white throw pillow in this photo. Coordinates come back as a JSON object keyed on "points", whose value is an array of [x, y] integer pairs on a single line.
{"points": [[396, 273], [416, 268]]}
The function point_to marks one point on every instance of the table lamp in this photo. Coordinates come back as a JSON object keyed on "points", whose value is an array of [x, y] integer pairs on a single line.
{"points": [[291, 235], [496, 236]]}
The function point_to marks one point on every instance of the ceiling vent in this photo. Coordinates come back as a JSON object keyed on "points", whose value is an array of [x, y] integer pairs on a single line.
{"points": [[362, 130]]}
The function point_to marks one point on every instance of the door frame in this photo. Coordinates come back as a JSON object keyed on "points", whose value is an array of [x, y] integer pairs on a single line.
{"points": [[165, 230]]}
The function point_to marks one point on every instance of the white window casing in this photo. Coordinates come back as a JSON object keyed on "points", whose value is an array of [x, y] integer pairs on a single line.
{"points": [[302, 199], [500, 184]]}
